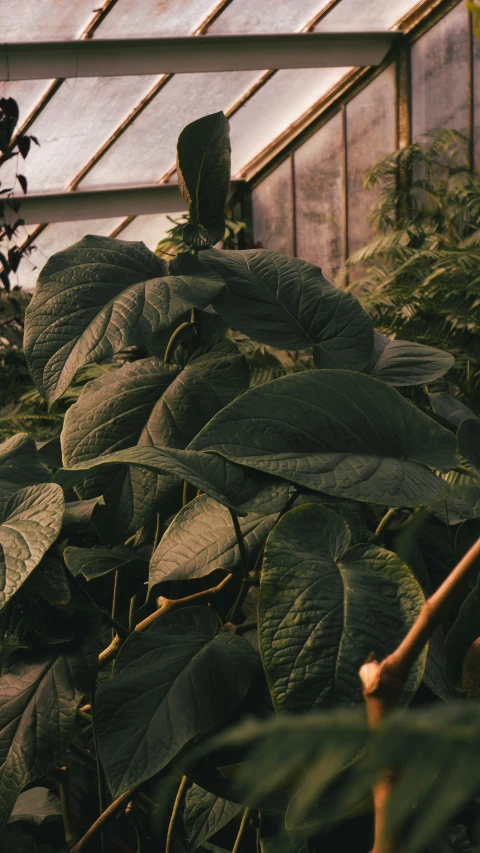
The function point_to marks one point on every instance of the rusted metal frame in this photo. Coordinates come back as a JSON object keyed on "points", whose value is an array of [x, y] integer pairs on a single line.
{"points": [[122, 225], [345, 182], [403, 85], [294, 205], [139, 108], [55, 84], [424, 16], [413, 25], [312, 120], [471, 93], [264, 78]]}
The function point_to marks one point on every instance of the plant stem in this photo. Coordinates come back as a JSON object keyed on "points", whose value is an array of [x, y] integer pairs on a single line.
{"points": [[176, 808], [385, 523], [172, 603], [243, 824], [168, 605], [172, 340], [185, 493], [383, 682], [131, 612], [100, 777], [241, 545], [158, 528], [70, 834], [104, 817]]}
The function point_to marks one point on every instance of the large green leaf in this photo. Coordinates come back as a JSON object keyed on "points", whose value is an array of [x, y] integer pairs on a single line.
{"points": [[338, 432], [469, 441], [462, 503], [201, 538], [20, 466], [32, 520], [98, 296], [224, 481], [146, 404], [407, 363], [37, 806], [205, 814], [96, 562], [449, 408], [175, 681], [464, 631], [324, 607], [203, 168], [288, 303], [39, 693]]}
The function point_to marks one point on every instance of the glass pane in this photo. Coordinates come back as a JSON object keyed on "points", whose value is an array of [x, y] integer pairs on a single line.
{"points": [[269, 16], [319, 198], [282, 100], [56, 237], [476, 105], [352, 15], [272, 208], [44, 20], [440, 75], [147, 149], [370, 135], [27, 94], [148, 228], [75, 123], [150, 18]]}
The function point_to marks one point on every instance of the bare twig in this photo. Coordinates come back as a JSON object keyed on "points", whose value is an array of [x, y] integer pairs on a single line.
{"points": [[383, 683], [112, 810], [176, 808]]}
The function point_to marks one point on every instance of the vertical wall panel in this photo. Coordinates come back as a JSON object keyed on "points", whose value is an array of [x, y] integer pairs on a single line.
{"points": [[476, 102], [440, 75], [319, 198], [272, 211], [371, 133]]}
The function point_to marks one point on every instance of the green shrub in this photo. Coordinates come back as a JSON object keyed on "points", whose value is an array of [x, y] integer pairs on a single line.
{"points": [[249, 546]]}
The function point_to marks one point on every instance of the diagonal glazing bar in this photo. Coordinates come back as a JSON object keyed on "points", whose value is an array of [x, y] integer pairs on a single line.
{"points": [[125, 57]]}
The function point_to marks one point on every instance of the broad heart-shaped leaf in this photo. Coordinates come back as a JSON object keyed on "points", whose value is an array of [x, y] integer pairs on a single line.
{"points": [[20, 466], [407, 363], [201, 538], [338, 432], [464, 631], [325, 607], [203, 168], [39, 693], [224, 481], [175, 681], [462, 503], [37, 805], [98, 296], [205, 814], [96, 562], [145, 403], [288, 303], [31, 523], [469, 441], [449, 408]]}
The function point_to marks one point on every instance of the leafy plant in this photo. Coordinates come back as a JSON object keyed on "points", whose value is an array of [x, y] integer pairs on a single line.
{"points": [[196, 570], [419, 277]]}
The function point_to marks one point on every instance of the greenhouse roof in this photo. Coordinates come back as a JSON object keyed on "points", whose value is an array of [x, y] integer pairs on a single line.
{"points": [[107, 90]]}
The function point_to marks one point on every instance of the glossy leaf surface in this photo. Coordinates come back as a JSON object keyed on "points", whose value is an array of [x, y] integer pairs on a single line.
{"points": [[288, 303], [338, 432], [325, 607], [176, 680], [98, 296]]}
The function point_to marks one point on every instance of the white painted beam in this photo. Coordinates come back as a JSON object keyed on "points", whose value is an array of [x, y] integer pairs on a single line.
{"points": [[97, 204], [110, 58]]}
